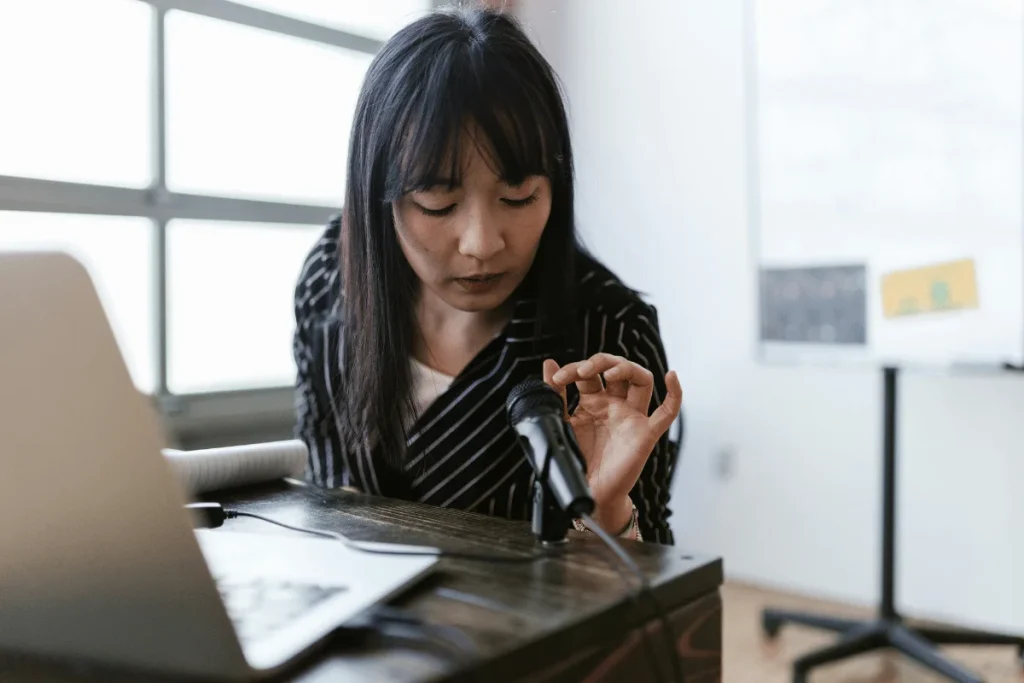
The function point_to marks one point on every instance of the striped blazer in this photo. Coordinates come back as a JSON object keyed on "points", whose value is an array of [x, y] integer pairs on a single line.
{"points": [[461, 452]]}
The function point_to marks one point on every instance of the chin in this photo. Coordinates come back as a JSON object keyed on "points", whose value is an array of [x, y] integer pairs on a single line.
{"points": [[478, 303]]}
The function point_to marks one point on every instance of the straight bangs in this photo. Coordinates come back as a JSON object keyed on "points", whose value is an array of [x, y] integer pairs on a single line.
{"points": [[472, 98]]}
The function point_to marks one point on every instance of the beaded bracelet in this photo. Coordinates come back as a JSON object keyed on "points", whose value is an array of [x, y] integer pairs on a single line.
{"points": [[632, 530]]}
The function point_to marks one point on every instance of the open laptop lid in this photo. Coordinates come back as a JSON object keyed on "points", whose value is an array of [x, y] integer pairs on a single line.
{"points": [[94, 541]]}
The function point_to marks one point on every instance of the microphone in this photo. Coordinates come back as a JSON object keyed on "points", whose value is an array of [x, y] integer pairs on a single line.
{"points": [[535, 412]]}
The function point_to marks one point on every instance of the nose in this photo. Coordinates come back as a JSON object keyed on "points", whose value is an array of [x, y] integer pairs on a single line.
{"points": [[482, 238]]}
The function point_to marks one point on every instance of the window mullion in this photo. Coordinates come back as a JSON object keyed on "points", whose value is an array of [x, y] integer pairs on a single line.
{"points": [[158, 193]]}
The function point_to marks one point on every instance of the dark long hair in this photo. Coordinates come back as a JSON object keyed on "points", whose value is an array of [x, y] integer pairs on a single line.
{"points": [[427, 85]]}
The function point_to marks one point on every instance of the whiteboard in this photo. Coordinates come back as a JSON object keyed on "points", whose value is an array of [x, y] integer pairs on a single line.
{"points": [[886, 136]]}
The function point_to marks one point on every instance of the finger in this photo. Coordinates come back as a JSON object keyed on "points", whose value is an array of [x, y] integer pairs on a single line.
{"points": [[599, 365], [639, 384], [662, 418], [618, 389], [615, 383], [586, 385], [550, 369]]}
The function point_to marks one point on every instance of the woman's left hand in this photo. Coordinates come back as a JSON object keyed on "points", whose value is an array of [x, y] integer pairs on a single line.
{"points": [[612, 427]]}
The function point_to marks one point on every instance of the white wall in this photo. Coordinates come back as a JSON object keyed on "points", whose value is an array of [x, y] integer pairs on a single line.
{"points": [[656, 94]]}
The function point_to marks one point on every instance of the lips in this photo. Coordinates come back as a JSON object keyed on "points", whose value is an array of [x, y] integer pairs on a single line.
{"points": [[480, 282], [482, 277]]}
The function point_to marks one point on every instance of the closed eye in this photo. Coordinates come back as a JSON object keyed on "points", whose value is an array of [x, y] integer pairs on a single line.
{"points": [[518, 203], [437, 213]]}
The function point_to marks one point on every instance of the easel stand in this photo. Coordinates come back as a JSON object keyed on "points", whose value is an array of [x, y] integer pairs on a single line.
{"points": [[888, 628]]}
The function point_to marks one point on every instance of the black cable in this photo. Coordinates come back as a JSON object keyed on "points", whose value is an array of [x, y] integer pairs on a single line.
{"points": [[395, 625], [390, 548], [389, 620], [381, 620], [668, 634], [652, 657]]}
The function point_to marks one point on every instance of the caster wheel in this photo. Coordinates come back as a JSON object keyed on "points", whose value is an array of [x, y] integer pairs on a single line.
{"points": [[770, 625]]}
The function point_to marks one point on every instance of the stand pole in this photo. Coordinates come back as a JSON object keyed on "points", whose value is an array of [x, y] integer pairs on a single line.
{"points": [[550, 523], [887, 609]]}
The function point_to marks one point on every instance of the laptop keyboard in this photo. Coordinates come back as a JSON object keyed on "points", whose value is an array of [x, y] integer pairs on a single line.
{"points": [[258, 607]]}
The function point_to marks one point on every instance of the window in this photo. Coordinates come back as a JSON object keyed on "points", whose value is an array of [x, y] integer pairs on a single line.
{"points": [[117, 252], [376, 19], [228, 86], [230, 314], [189, 154], [76, 77]]}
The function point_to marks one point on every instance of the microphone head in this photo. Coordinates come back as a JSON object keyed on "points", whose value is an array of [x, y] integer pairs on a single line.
{"points": [[532, 396]]}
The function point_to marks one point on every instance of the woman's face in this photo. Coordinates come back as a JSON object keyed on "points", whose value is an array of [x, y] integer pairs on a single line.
{"points": [[472, 245]]}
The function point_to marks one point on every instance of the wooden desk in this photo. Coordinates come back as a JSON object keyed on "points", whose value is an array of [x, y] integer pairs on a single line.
{"points": [[561, 618]]}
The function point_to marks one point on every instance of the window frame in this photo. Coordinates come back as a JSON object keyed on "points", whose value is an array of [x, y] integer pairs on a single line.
{"points": [[190, 414]]}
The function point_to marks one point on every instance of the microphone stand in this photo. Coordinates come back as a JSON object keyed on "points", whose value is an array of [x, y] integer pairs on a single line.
{"points": [[550, 522], [559, 489]]}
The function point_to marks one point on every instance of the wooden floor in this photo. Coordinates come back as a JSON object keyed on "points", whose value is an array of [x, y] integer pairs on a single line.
{"points": [[749, 658]]}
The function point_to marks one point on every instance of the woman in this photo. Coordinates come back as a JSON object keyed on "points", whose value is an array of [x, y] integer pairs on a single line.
{"points": [[453, 273]]}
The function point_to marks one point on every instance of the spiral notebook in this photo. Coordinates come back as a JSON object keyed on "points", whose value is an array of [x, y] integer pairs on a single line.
{"points": [[213, 469]]}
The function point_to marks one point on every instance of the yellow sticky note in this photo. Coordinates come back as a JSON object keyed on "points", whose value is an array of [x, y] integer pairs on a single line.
{"points": [[942, 287]]}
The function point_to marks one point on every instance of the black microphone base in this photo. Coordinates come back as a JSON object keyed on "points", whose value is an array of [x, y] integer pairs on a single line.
{"points": [[550, 522]]}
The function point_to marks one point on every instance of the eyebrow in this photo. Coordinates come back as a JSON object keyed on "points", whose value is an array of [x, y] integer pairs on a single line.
{"points": [[449, 184], [430, 184]]}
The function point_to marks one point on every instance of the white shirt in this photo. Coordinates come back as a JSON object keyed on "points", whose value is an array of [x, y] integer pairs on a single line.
{"points": [[427, 385]]}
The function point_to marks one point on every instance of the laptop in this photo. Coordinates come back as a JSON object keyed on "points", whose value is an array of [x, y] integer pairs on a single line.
{"points": [[98, 557]]}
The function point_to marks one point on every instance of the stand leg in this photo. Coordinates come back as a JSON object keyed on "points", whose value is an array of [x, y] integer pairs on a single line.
{"points": [[919, 649], [773, 619], [948, 636], [863, 639]]}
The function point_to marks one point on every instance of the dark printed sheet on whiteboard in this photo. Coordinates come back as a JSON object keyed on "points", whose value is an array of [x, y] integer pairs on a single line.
{"points": [[818, 305]]}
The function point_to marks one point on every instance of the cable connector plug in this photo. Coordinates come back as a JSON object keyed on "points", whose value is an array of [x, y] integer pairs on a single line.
{"points": [[207, 515]]}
